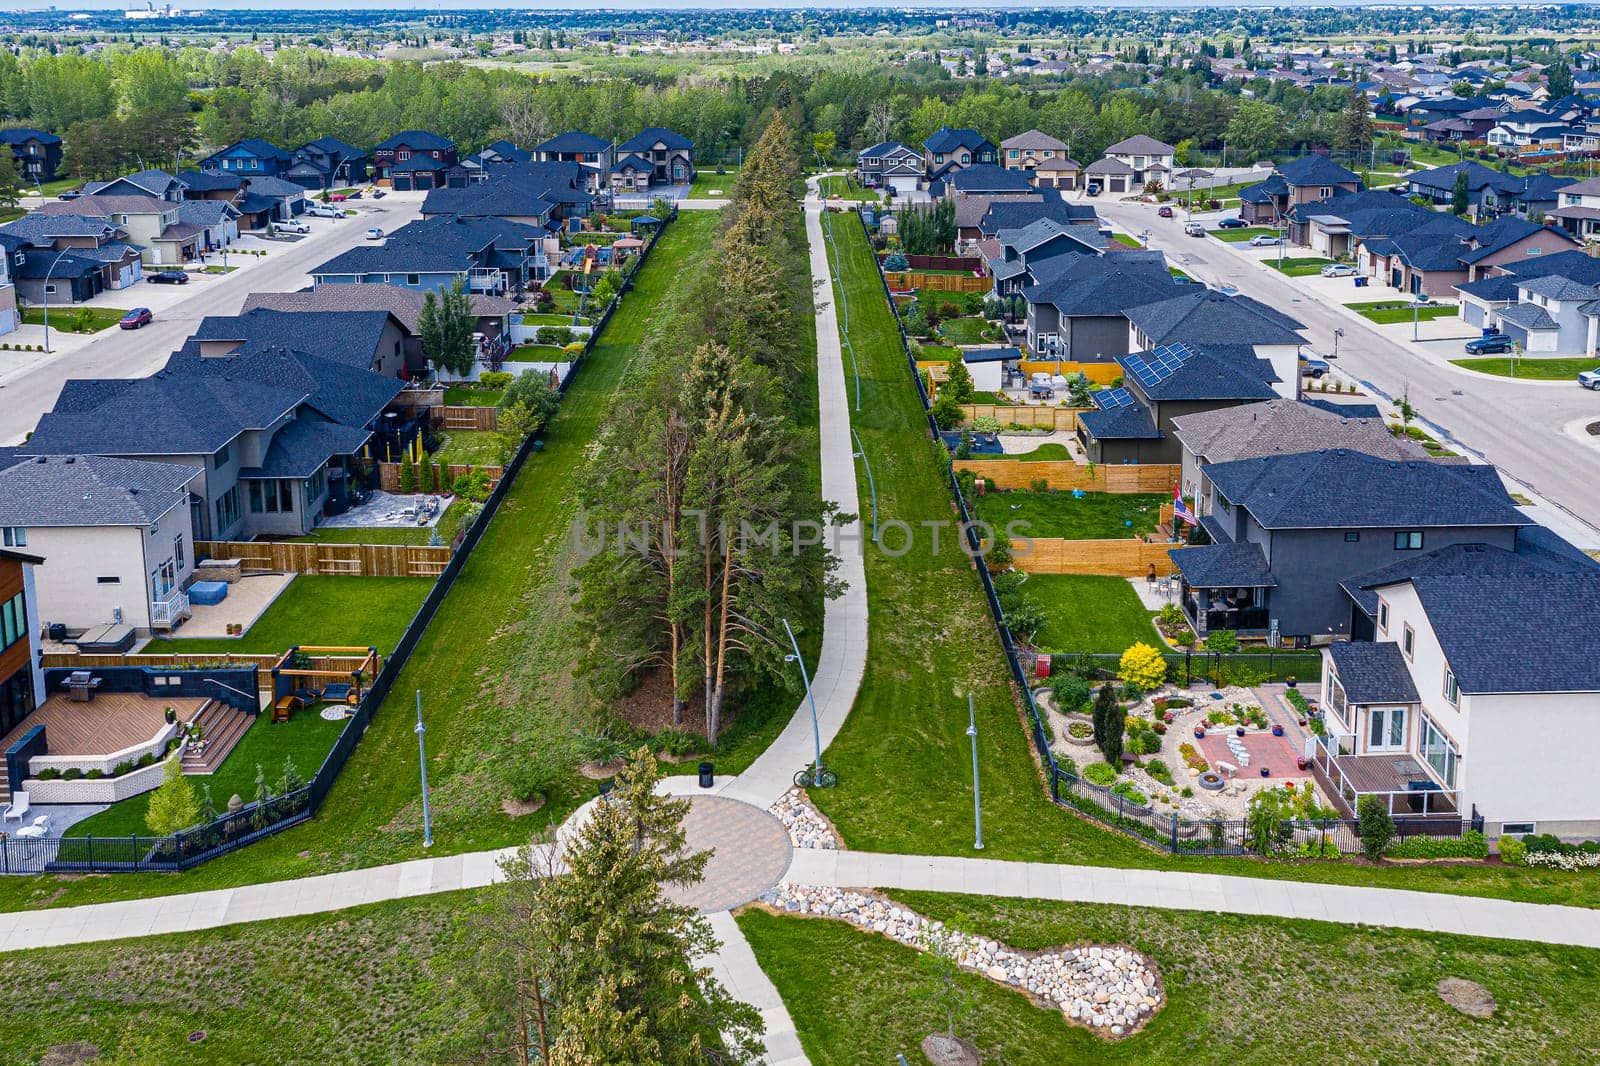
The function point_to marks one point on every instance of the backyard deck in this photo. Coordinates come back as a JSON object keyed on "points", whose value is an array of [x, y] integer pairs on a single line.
{"points": [[109, 723], [1389, 777]]}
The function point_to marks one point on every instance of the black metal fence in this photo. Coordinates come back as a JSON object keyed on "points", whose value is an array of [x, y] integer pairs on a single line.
{"points": [[258, 820], [1170, 831]]}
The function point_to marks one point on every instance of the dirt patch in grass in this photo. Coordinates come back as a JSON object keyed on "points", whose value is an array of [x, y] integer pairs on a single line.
{"points": [[1468, 997], [648, 708], [599, 771], [516, 808], [945, 1050]]}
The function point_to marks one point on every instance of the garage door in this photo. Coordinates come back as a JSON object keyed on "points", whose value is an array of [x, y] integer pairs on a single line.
{"points": [[903, 186]]}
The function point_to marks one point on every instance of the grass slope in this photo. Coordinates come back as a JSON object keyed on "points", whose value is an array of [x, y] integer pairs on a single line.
{"points": [[327, 609], [1241, 990], [903, 755]]}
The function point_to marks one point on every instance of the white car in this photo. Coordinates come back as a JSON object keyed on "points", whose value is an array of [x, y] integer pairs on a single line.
{"points": [[1264, 240], [1590, 379], [374, 233], [325, 211], [1338, 270], [294, 225]]}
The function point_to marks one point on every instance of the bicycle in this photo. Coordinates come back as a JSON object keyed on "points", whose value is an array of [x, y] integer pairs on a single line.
{"points": [[814, 776]]}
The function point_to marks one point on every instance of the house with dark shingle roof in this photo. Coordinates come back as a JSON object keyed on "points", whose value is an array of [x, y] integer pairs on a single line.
{"points": [[402, 304], [487, 255], [37, 153], [1318, 518], [1449, 703], [1482, 298], [115, 535], [98, 256], [986, 180], [327, 163], [1076, 305], [1444, 252], [948, 150], [424, 159], [594, 154], [669, 154], [371, 340], [890, 165], [1484, 185], [251, 157], [157, 183], [1305, 180], [535, 194], [1212, 319], [152, 225]]}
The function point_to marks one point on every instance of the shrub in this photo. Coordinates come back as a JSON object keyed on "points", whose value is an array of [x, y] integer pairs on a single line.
{"points": [[947, 413], [1158, 770], [1170, 615], [72, 773], [1376, 827], [1192, 757], [1110, 721], [496, 380], [1469, 845], [1538, 843], [1268, 821], [678, 743], [1564, 860], [1297, 701], [1184, 639], [1127, 791], [95, 774], [986, 424], [1142, 667], [896, 263], [1081, 730], [1099, 773], [175, 805], [147, 759], [532, 777], [123, 767], [1222, 640], [557, 335], [1071, 691], [49, 773]]}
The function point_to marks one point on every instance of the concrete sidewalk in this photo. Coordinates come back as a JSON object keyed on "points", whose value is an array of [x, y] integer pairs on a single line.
{"points": [[736, 967]]}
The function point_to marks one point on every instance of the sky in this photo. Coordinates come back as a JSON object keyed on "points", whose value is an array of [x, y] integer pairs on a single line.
{"points": [[656, 5]]}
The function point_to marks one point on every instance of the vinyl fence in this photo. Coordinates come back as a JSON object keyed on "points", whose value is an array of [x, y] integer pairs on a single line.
{"points": [[256, 821]]}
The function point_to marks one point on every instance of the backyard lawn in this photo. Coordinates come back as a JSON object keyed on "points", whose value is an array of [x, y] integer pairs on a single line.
{"points": [[1093, 516], [536, 319], [468, 447], [846, 187], [962, 330], [1534, 369], [321, 609], [708, 179], [1087, 612], [1388, 312], [65, 317], [306, 738], [537, 353], [1240, 990], [466, 396]]}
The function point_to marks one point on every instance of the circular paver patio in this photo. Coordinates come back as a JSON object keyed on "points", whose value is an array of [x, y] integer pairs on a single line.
{"points": [[749, 853]]}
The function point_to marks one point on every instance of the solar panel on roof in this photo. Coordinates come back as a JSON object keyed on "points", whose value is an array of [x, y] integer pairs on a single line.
{"points": [[1153, 367], [1110, 399]]}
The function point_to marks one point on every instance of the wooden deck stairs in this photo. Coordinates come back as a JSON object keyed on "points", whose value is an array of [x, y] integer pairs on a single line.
{"points": [[221, 727]]}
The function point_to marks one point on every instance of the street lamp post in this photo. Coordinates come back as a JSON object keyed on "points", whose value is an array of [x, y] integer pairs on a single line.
{"points": [[1338, 333], [977, 805], [1418, 302], [819, 776], [422, 754], [861, 453], [46, 292]]}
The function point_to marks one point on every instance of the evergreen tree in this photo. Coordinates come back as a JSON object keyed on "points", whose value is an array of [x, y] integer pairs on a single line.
{"points": [[1355, 124], [1558, 79], [174, 805], [446, 324], [958, 382], [1460, 197]]}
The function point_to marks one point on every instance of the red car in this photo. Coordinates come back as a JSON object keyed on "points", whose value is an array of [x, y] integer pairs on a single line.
{"points": [[1164, 211], [139, 316], [337, 198]]}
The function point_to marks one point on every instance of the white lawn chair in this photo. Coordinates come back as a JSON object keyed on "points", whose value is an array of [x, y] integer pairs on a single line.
{"points": [[19, 806], [38, 830]]}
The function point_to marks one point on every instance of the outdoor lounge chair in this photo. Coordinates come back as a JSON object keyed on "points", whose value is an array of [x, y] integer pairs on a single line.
{"points": [[19, 806], [341, 692]]}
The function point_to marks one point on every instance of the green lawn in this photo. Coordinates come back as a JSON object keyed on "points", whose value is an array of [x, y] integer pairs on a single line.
{"points": [[1127, 241], [1389, 312], [537, 319], [846, 187], [1049, 452], [306, 738], [1087, 612], [708, 179], [1535, 369], [933, 642], [1240, 990], [537, 353], [1094, 516], [938, 352], [465, 396], [1241, 234], [963, 330], [321, 609], [468, 447], [53, 188], [1303, 266], [64, 317]]}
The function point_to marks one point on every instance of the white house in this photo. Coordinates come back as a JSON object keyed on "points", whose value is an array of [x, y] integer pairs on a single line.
{"points": [[1552, 315], [116, 536], [1147, 157], [1468, 701], [1579, 209]]}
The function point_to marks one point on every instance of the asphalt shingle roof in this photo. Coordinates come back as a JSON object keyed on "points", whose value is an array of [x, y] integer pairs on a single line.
{"points": [[1208, 316], [1373, 672], [1127, 422], [404, 304], [1342, 489], [646, 140], [1537, 552], [1185, 372], [1510, 649], [1528, 316], [1226, 565], [348, 337], [572, 141], [1479, 177], [945, 140], [352, 395], [304, 446], [1141, 144], [1315, 169], [417, 140], [1557, 287], [90, 490], [1102, 285], [990, 179], [1283, 427]]}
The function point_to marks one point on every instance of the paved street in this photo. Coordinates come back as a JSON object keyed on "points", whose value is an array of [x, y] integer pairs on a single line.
{"points": [[31, 390], [1518, 426]]}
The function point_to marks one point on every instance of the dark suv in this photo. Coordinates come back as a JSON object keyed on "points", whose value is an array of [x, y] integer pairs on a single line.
{"points": [[168, 277], [1492, 344]]}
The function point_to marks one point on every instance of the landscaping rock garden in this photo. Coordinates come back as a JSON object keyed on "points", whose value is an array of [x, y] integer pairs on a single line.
{"points": [[806, 826]]}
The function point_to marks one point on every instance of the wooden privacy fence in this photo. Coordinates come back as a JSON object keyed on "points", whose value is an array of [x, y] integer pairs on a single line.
{"points": [[389, 477], [911, 279], [1129, 557], [51, 660], [358, 560], [477, 418], [1099, 373], [1037, 417], [1064, 475]]}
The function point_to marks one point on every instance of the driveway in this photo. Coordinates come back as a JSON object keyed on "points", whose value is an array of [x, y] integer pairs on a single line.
{"points": [[1518, 426], [30, 382]]}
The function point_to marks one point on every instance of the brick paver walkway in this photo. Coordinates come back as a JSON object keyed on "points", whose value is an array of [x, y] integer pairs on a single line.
{"points": [[749, 853]]}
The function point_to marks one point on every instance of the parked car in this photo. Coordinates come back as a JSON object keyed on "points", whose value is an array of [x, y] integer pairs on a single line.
{"points": [[377, 194], [139, 316], [1165, 210], [374, 233], [168, 277], [294, 225], [70, 194], [1590, 379], [1265, 240], [1314, 368], [1338, 270], [1232, 222], [325, 211], [1093, 188], [1194, 229], [337, 198], [1489, 345]]}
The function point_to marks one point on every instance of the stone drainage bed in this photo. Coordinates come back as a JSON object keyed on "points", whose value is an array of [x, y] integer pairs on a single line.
{"points": [[806, 826], [1111, 991]]}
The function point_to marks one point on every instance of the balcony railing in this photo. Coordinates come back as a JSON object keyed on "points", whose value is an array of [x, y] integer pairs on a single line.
{"points": [[1235, 618], [1347, 777], [170, 611]]}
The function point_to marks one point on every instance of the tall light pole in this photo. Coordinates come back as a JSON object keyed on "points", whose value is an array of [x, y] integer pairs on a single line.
{"points": [[861, 453], [46, 292], [819, 776], [422, 754], [1338, 333], [977, 805]]}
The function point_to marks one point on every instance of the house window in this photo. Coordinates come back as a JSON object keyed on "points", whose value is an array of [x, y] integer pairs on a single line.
{"points": [[1408, 640], [50, 289], [1452, 691], [413, 279], [1324, 192], [1352, 537], [1408, 540], [1438, 752], [1383, 615], [1535, 251], [1222, 502], [177, 550], [965, 157], [1013, 153], [1386, 729], [220, 459], [227, 510], [108, 580], [1517, 829], [16, 537], [13, 620]]}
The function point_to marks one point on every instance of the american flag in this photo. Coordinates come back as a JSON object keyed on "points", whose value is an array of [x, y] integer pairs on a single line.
{"points": [[1180, 510]]}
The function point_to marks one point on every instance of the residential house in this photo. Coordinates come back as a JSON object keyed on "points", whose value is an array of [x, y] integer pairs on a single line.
{"points": [[116, 534], [1061, 172], [36, 153], [548, 195], [1133, 423], [1076, 303], [414, 159], [1147, 158], [632, 174], [1035, 243], [1539, 195], [487, 255], [1217, 321], [670, 155], [21, 676], [1448, 709], [218, 221], [948, 150], [251, 157], [501, 151], [1287, 529], [371, 340], [1469, 126], [979, 217], [1280, 427], [986, 180], [1110, 176], [68, 258], [1579, 209], [890, 165], [1309, 179], [327, 163], [1485, 187], [157, 183], [1028, 151], [1335, 227], [594, 154], [1440, 254], [152, 225], [259, 201], [1480, 299], [1552, 315]]}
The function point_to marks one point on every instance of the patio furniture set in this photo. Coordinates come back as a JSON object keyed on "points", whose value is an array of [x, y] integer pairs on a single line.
{"points": [[18, 809]]}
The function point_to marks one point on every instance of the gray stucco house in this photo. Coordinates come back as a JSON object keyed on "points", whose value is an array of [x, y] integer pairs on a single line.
{"points": [[1076, 307]]}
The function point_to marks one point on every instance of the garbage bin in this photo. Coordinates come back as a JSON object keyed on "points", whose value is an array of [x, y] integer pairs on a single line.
{"points": [[706, 774], [1361, 282], [1041, 666], [58, 631]]}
